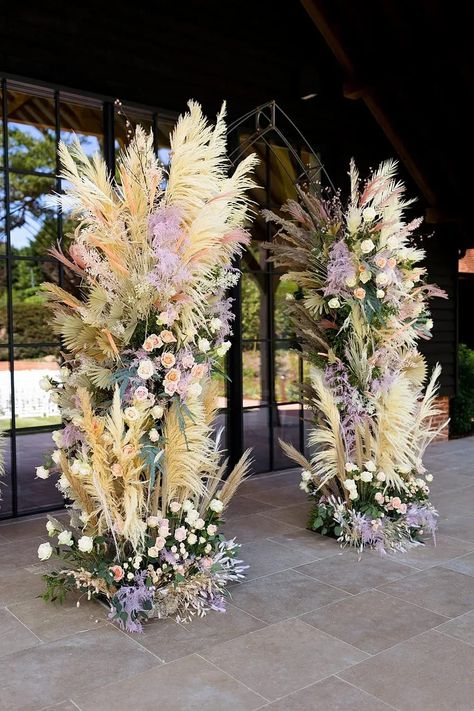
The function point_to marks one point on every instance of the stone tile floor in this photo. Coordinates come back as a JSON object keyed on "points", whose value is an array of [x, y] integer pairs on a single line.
{"points": [[311, 628]]}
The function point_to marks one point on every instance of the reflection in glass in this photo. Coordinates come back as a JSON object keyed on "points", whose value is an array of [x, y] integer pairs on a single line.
{"points": [[31, 318], [257, 436], [5, 484], [254, 306], [33, 406], [5, 391], [31, 131], [34, 449], [33, 221], [286, 426], [255, 374], [281, 318], [287, 374], [82, 121]]}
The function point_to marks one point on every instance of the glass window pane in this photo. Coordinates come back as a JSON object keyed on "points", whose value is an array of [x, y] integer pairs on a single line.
{"points": [[3, 302], [31, 130], [33, 450], [84, 120], [254, 305], [3, 234], [5, 391], [286, 426], [281, 319], [31, 318], [5, 486], [33, 221], [33, 407], [287, 374], [257, 436], [255, 374]]}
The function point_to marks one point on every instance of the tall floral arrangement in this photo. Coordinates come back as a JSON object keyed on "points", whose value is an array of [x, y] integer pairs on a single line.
{"points": [[360, 308], [138, 456]]}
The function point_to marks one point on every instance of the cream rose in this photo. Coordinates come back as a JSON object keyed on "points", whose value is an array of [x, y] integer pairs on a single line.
{"points": [[359, 293], [369, 214], [367, 245], [45, 551], [204, 345], [167, 337], [85, 544], [167, 360], [334, 303], [42, 472], [146, 369], [131, 414]]}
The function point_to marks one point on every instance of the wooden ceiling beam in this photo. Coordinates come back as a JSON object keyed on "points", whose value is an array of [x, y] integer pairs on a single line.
{"points": [[355, 89]]}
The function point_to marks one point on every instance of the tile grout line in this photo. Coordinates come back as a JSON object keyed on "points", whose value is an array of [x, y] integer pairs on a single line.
{"points": [[24, 625], [239, 681], [354, 686]]}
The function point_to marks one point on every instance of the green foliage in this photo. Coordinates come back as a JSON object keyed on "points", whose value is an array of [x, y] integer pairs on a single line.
{"points": [[462, 406], [57, 587]]}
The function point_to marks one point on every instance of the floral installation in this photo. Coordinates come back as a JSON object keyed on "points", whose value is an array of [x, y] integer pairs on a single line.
{"points": [[138, 456], [360, 308]]}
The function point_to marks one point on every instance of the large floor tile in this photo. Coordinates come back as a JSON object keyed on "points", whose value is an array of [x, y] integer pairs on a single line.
{"points": [[461, 627], [433, 552], [463, 564], [18, 554], [296, 515], [282, 496], [285, 594], [431, 672], [62, 706], [331, 694], [265, 556], [190, 684], [51, 621], [56, 671], [438, 589], [283, 657], [460, 527], [348, 572], [22, 529], [18, 585], [244, 506], [308, 542], [255, 527], [373, 621], [14, 636], [268, 482], [170, 640], [452, 504]]}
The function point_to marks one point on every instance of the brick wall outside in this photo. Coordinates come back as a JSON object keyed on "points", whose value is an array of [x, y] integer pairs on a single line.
{"points": [[443, 405]]}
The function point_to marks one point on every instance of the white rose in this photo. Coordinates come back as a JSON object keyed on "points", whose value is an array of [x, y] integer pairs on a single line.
{"points": [[351, 281], [57, 438], [353, 495], [65, 538], [45, 384], [154, 435], [350, 467], [208, 548], [56, 456], [216, 505], [85, 544], [215, 324], [366, 476], [51, 528], [211, 529], [187, 505], [369, 214], [192, 516], [381, 279], [304, 486], [45, 551], [192, 539], [42, 472], [381, 476], [429, 477], [365, 276], [350, 485], [370, 466], [157, 412], [367, 245], [146, 369], [63, 483], [334, 303], [306, 475], [199, 524], [175, 506], [131, 414], [153, 521], [153, 552], [194, 390], [204, 345], [380, 293], [223, 348], [353, 220]]}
